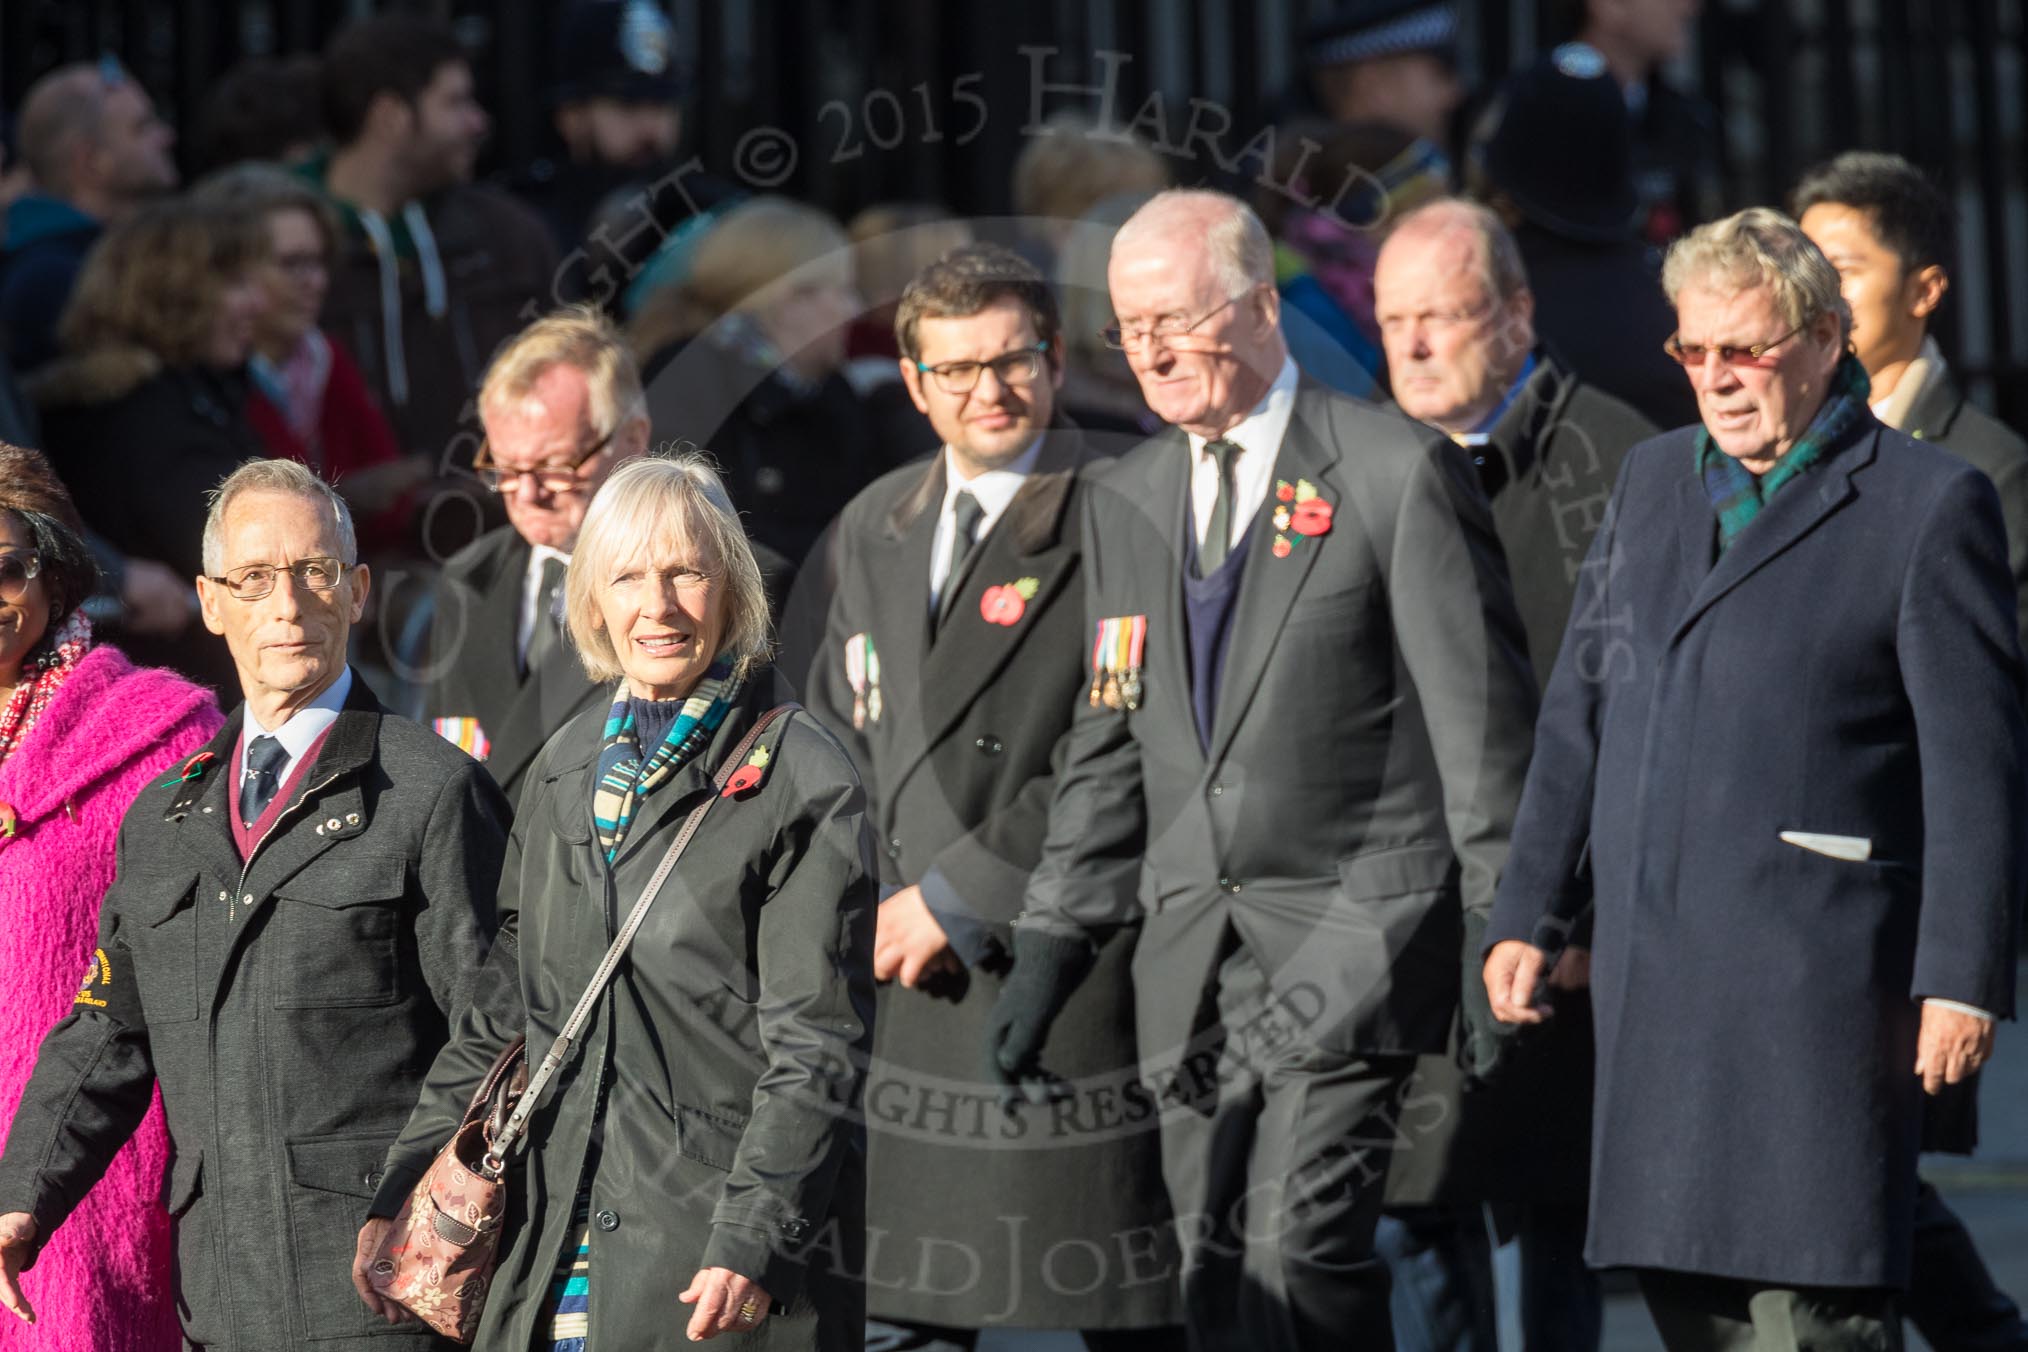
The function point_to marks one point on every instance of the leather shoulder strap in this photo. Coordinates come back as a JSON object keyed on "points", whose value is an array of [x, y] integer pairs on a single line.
{"points": [[567, 1037]]}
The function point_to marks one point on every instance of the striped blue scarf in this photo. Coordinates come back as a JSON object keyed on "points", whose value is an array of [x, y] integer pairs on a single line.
{"points": [[624, 779]]}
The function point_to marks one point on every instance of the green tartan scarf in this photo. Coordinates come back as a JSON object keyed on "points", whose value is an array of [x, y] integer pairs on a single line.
{"points": [[1738, 494], [624, 779]]}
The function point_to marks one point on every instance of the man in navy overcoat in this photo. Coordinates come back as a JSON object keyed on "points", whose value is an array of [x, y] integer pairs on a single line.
{"points": [[1782, 751]]}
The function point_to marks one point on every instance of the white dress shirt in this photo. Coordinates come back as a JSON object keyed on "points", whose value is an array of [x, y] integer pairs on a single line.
{"points": [[994, 489], [531, 596], [1259, 438], [298, 732]]}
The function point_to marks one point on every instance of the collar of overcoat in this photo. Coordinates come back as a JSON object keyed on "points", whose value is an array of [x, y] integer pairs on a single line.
{"points": [[1805, 504], [1270, 585], [1032, 539]]}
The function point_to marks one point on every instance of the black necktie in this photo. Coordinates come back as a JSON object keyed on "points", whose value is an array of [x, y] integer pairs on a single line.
{"points": [[264, 760], [547, 634], [966, 514], [1217, 542]]}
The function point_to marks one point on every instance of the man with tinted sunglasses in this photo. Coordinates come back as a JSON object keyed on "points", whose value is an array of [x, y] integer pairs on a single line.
{"points": [[1781, 754]]}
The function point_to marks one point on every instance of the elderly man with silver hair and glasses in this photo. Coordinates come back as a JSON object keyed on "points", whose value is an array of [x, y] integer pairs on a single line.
{"points": [[1304, 739], [1781, 753], [299, 912]]}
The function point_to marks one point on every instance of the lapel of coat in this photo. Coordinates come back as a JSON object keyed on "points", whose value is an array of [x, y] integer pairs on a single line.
{"points": [[1166, 508], [202, 810], [898, 618], [1026, 542], [1270, 585], [1795, 512]]}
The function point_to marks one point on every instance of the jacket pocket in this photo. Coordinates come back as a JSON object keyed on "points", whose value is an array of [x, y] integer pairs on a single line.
{"points": [[195, 1239], [339, 925], [331, 1180], [1396, 871], [707, 1137], [158, 925]]}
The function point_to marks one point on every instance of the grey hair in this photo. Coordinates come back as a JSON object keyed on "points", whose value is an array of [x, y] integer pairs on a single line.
{"points": [[1760, 247], [274, 476], [1499, 257], [1242, 254], [660, 498]]}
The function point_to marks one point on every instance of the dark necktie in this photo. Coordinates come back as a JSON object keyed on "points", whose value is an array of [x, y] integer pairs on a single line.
{"points": [[265, 758], [966, 514], [547, 635], [1217, 542]]}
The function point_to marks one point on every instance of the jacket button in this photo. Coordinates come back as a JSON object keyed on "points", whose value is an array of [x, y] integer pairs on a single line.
{"points": [[1218, 790], [246, 900], [374, 1178], [225, 896], [894, 848], [609, 1220], [1228, 883], [990, 745]]}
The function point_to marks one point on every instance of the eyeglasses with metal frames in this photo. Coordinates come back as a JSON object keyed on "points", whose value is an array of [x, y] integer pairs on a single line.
{"points": [[1167, 328], [1754, 354], [255, 580]]}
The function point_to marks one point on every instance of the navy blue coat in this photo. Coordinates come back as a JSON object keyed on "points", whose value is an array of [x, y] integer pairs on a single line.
{"points": [[1850, 666]]}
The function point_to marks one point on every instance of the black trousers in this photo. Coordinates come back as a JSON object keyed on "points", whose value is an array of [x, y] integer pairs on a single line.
{"points": [[1275, 1173], [1696, 1313], [1952, 1298]]}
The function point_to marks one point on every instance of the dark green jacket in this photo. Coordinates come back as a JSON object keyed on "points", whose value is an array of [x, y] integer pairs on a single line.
{"points": [[722, 1068], [288, 1011]]}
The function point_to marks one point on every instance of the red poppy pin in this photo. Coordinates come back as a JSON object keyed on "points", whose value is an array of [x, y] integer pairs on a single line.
{"points": [[747, 776], [9, 818], [193, 768], [1008, 602], [1302, 512]]}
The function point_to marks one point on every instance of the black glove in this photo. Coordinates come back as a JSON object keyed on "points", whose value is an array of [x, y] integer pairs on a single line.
{"points": [[1047, 968], [1482, 1039]]}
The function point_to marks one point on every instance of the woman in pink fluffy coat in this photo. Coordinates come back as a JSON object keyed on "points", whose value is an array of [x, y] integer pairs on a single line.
{"points": [[82, 731]]}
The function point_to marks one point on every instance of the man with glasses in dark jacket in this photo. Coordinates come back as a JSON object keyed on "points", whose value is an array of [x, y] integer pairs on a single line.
{"points": [[297, 915]]}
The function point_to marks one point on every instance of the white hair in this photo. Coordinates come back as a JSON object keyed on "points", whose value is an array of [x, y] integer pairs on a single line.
{"points": [[275, 476], [1242, 254]]}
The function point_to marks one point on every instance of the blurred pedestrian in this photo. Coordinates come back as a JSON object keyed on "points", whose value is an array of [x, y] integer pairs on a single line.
{"points": [[742, 353], [707, 1150], [1068, 166], [1784, 746], [1598, 297], [616, 110], [562, 408], [1392, 62], [1305, 728], [1676, 144], [307, 400], [96, 149], [1336, 191], [953, 660], [82, 734], [1099, 391], [298, 914], [434, 271], [891, 243], [263, 108], [146, 410]]}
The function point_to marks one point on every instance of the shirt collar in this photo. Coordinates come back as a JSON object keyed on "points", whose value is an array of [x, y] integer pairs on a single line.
{"points": [[1262, 430], [301, 729], [994, 488]]}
